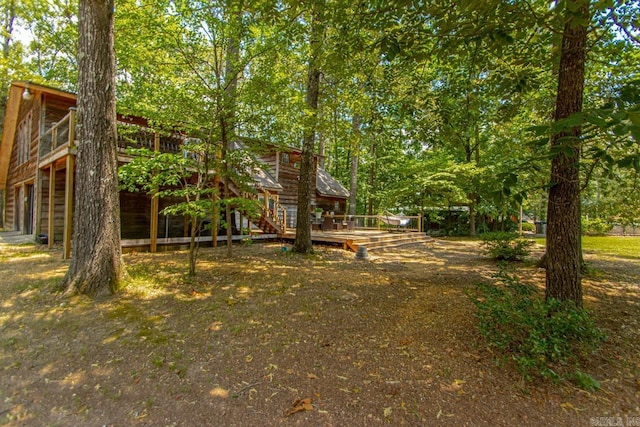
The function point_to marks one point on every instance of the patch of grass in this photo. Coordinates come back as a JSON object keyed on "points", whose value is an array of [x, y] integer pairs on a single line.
{"points": [[626, 247], [622, 246], [157, 361]]}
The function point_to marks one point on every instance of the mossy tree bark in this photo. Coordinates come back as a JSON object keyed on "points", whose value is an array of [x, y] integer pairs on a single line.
{"points": [[563, 277], [96, 267]]}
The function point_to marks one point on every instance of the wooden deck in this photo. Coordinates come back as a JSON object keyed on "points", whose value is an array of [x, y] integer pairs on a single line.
{"points": [[372, 239], [347, 240]]}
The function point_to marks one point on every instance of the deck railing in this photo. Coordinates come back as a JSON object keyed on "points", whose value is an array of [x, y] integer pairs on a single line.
{"points": [[128, 136], [277, 213], [376, 222], [132, 136], [55, 137]]}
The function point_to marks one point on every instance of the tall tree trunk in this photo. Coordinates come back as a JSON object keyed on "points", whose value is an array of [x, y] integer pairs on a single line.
{"points": [[472, 215], [7, 28], [372, 174], [321, 137], [96, 267], [563, 281], [228, 115], [302, 243], [353, 172]]}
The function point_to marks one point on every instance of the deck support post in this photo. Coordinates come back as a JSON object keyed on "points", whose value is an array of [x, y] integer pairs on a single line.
{"points": [[68, 187], [68, 206], [52, 205], [155, 203], [216, 211], [38, 202]]}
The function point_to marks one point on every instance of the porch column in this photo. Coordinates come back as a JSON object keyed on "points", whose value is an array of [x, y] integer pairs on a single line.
{"points": [[38, 202], [52, 204], [154, 204], [68, 186], [216, 211]]}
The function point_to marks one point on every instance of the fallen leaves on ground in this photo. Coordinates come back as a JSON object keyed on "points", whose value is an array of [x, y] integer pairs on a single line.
{"points": [[299, 405]]}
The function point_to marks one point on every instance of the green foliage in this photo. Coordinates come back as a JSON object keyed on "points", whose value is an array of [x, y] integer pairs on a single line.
{"points": [[505, 246], [546, 339], [527, 226], [595, 227], [444, 99]]}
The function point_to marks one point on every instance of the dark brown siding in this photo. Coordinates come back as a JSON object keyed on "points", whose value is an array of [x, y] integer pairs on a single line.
{"points": [[58, 207], [18, 174], [135, 215], [55, 109], [288, 177]]}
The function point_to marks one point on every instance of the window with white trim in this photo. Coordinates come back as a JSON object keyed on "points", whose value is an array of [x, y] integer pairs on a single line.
{"points": [[24, 140]]}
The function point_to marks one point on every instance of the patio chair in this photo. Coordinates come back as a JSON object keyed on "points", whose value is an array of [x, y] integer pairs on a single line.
{"points": [[327, 224]]}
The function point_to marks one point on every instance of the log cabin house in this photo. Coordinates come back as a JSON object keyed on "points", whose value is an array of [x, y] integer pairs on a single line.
{"points": [[37, 175]]}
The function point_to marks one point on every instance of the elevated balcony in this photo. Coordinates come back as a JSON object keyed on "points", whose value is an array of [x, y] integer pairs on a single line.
{"points": [[59, 141]]}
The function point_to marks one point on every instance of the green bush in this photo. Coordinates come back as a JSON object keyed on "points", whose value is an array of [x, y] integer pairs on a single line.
{"points": [[527, 226], [505, 246], [546, 339], [595, 227]]}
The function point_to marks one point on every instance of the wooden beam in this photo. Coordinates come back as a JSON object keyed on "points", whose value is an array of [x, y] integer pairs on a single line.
{"points": [[52, 204], [154, 223], [68, 206], [155, 205], [9, 132], [38, 202], [68, 186], [216, 212]]}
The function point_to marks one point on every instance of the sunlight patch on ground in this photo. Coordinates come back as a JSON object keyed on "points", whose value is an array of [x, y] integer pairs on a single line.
{"points": [[219, 392], [74, 378]]}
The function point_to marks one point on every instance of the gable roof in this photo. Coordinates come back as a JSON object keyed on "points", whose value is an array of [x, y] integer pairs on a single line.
{"points": [[328, 186], [265, 180], [16, 91]]}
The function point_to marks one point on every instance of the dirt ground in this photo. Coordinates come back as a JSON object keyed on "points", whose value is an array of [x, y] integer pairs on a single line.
{"points": [[268, 338]]}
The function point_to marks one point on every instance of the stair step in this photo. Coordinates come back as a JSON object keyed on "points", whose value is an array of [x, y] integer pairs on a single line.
{"points": [[392, 241], [389, 245]]}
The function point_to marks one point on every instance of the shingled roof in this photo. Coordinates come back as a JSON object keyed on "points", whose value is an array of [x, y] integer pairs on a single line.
{"points": [[264, 180], [327, 186]]}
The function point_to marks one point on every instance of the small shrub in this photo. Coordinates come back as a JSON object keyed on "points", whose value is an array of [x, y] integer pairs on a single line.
{"points": [[595, 227], [505, 246], [546, 339], [527, 226]]}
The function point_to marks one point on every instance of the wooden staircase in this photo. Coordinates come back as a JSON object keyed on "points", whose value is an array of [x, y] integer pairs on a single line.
{"points": [[271, 221], [387, 241], [269, 224]]}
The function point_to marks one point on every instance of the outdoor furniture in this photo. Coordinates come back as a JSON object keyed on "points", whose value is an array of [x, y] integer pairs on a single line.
{"points": [[327, 224], [399, 221]]}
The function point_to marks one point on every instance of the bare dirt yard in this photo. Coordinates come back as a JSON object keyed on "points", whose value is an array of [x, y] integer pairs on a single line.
{"points": [[269, 338]]}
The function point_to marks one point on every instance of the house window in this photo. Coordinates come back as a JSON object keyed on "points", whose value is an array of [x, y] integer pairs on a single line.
{"points": [[24, 140], [285, 158]]}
